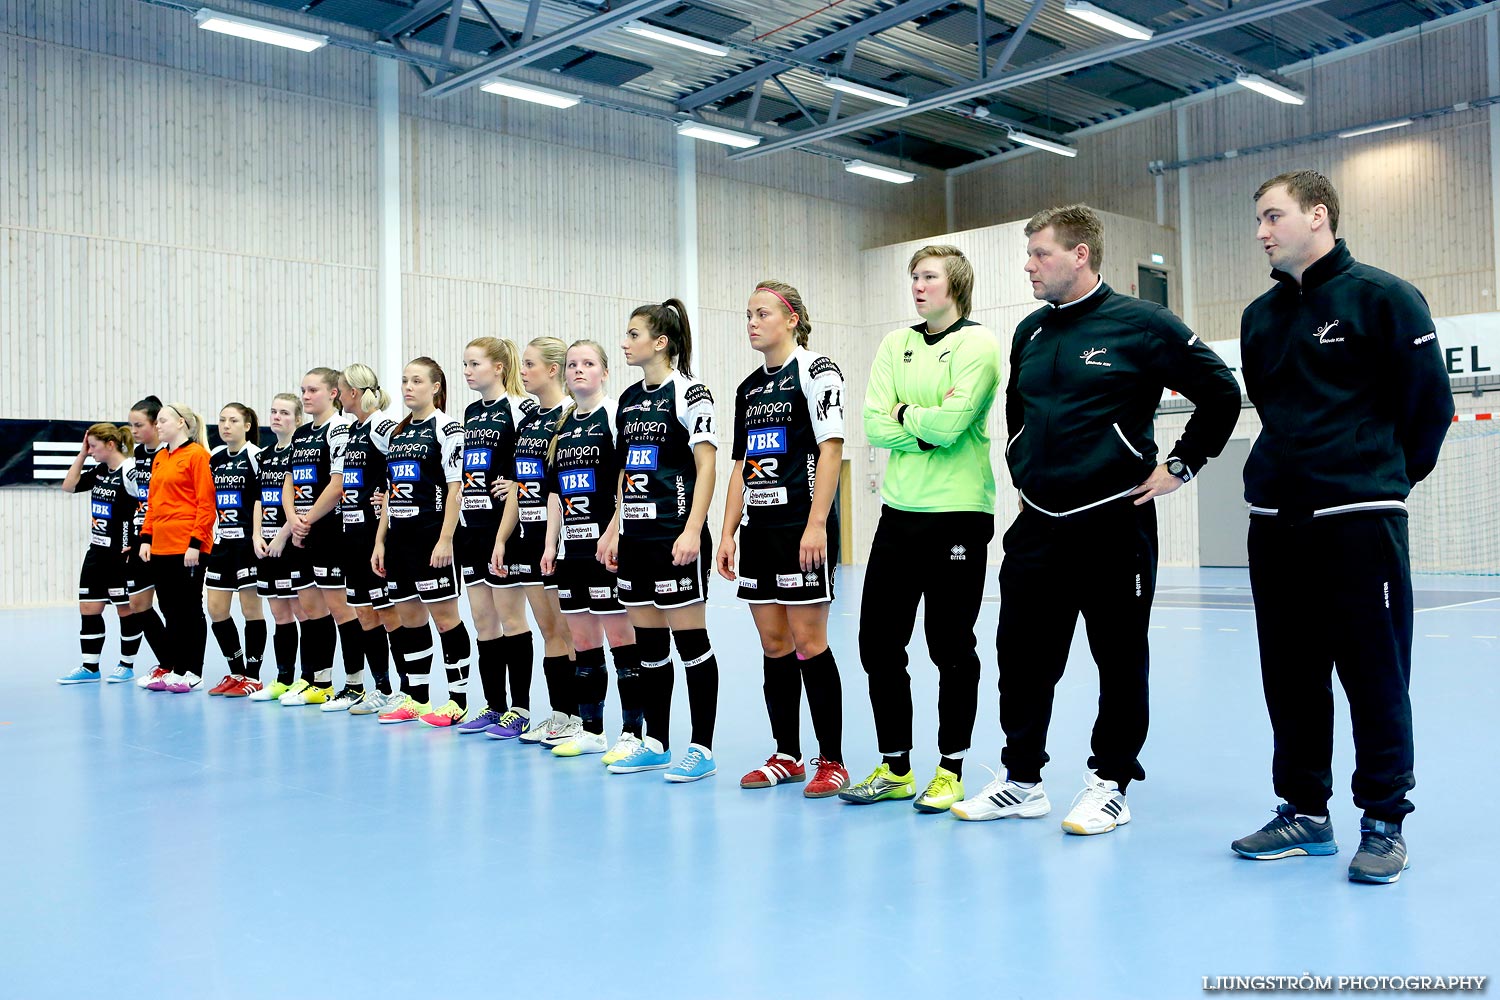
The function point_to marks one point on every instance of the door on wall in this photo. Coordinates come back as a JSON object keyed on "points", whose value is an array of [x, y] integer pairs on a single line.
{"points": [[1223, 518], [1151, 284], [846, 513]]}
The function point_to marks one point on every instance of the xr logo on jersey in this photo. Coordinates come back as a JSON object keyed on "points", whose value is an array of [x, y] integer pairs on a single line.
{"points": [[761, 468]]}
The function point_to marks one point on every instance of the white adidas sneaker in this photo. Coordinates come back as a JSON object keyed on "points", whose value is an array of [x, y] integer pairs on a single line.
{"points": [[1002, 798], [1099, 808]]}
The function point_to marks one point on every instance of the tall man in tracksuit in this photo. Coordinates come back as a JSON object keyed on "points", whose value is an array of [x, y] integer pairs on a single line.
{"points": [[1087, 373], [1342, 362]]}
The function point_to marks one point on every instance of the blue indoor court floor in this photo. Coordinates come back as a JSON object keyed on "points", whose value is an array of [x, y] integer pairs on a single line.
{"points": [[183, 846]]}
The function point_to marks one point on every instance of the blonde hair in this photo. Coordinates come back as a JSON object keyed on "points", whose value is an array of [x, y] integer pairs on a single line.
{"points": [[371, 396], [553, 352], [960, 273], [504, 354], [572, 402], [790, 299], [108, 433], [189, 416], [294, 399]]}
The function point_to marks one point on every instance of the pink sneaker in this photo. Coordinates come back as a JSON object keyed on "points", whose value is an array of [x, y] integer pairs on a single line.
{"points": [[182, 683], [160, 683], [409, 710]]}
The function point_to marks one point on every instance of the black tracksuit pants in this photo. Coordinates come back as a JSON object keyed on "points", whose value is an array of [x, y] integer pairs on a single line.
{"points": [[179, 591], [1334, 592], [939, 557], [1100, 563]]}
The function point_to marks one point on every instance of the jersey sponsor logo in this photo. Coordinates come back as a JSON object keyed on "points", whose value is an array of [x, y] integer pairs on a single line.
{"points": [[101, 510], [304, 474], [774, 408], [581, 481], [906, 358], [637, 482], [829, 400], [575, 506], [766, 441], [601, 593], [354, 517], [227, 500], [477, 503], [760, 468], [528, 468], [639, 512], [766, 498], [698, 393], [1325, 333], [748, 583], [789, 581], [474, 481], [456, 456], [532, 515], [787, 383], [270, 496], [704, 424], [427, 585], [1424, 339], [477, 458], [646, 428], [666, 586], [1089, 355], [231, 533], [823, 366], [405, 472], [579, 532], [354, 479], [642, 456]]}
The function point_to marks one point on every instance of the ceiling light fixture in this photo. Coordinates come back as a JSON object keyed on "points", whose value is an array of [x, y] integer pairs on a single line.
{"points": [[259, 31], [1270, 88], [676, 38], [1101, 18], [880, 173]]}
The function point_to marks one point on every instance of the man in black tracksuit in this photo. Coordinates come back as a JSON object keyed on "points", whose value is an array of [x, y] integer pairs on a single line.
{"points": [[1342, 362], [1086, 377]]}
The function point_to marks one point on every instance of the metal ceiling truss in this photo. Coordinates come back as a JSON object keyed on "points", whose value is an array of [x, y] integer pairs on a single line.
{"points": [[1246, 13]]}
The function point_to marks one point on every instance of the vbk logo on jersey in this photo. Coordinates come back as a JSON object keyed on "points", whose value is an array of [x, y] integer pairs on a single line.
{"points": [[528, 468], [477, 458], [641, 456], [227, 499], [581, 481], [270, 497], [101, 510], [304, 474], [766, 441], [404, 472], [354, 479]]}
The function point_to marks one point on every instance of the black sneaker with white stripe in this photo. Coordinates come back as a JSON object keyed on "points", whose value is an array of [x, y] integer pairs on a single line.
{"points": [[1001, 798], [1288, 836]]}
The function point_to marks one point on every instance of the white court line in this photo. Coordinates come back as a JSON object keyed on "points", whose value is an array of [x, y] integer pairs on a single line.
{"points": [[1228, 630], [1437, 635], [1191, 628], [1461, 604], [1485, 637]]}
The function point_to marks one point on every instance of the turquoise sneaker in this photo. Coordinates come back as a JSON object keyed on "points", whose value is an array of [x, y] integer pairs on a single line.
{"points": [[696, 764], [649, 756]]}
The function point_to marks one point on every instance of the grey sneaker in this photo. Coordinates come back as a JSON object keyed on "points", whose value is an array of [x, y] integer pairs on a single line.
{"points": [[547, 728], [1287, 836], [571, 729], [880, 785], [1381, 857], [373, 703]]}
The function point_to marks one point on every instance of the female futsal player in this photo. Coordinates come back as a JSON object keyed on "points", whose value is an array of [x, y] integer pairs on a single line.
{"points": [[282, 568], [232, 564]]}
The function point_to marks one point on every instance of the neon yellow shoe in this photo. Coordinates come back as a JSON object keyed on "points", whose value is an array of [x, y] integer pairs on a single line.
{"points": [[272, 692], [942, 792], [450, 713], [581, 743], [317, 696], [881, 785], [294, 694], [626, 745]]}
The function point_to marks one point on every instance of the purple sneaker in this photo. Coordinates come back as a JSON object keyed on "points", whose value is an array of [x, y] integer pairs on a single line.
{"points": [[509, 726], [479, 723], [182, 683]]}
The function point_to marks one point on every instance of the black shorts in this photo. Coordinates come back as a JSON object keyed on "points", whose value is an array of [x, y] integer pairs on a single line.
{"points": [[282, 576], [648, 578], [523, 559], [324, 546], [770, 570], [584, 585], [472, 549], [409, 572], [362, 588], [102, 577], [138, 576], [230, 566]]}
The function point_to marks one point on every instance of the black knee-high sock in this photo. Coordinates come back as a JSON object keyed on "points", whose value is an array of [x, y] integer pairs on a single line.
{"points": [[558, 670], [591, 686], [378, 656], [702, 670], [155, 634], [520, 653], [783, 690], [825, 697], [628, 680], [491, 657], [319, 636], [656, 682], [457, 649], [417, 645], [91, 640], [352, 642], [228, 638], [130, 639], [255, 646], [285, 643]]}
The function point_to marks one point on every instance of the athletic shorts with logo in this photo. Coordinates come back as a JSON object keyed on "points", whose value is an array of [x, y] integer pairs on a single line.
{"points": [[409, 573], [103, 576], [648, 578], [324, 545], [523, 559], [472, 548], [362, 588], [282, 576], [584, 584], [230, 566], [770, 570]]}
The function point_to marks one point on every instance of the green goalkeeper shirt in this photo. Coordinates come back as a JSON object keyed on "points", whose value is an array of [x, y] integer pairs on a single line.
{"points": [[940, 446]]}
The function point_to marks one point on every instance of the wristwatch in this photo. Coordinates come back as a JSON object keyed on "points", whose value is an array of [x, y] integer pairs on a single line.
{"points": [[1179, 468]]}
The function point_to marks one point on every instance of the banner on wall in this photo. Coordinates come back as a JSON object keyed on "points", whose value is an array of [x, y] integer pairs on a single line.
{"points": [[38, 452], [1470, 344]]}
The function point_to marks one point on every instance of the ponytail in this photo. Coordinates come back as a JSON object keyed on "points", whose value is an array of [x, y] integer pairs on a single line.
{"points": [[670, 320], [440, 398], [792, 305], [195, 429], [108, 433], [362, 378]]}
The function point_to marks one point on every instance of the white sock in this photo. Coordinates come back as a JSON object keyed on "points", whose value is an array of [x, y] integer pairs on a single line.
{"points": [[1315, 819]]}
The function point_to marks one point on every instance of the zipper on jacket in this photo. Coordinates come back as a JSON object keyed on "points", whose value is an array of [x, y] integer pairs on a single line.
{"points": [[1127, 442]]}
